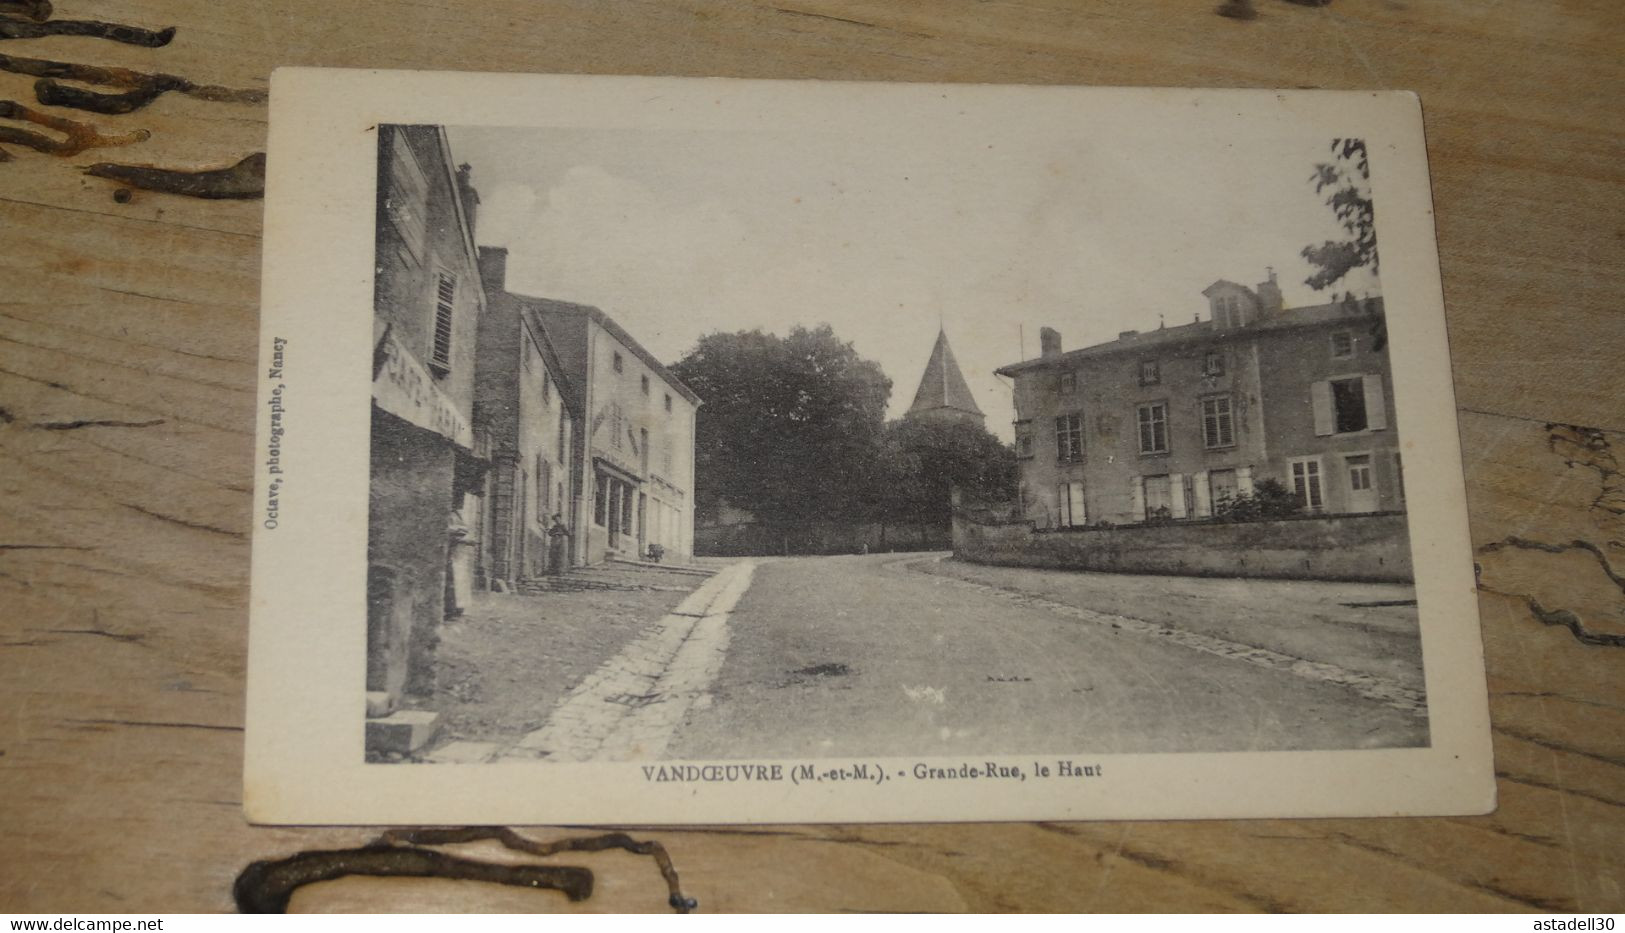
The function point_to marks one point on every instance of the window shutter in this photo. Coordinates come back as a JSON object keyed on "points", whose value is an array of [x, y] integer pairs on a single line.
{"points": [[1139, 498], [1062, 506], [1204, 495], [1078, 513], [1320, 397], [1244, 480], [1176, 495], [1376, 409]]}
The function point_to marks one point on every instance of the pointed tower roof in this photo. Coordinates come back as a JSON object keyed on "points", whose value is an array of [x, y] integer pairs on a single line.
{"points": [[942, 388]]}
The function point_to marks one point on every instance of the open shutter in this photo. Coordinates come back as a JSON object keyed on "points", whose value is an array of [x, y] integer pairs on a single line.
{"points": [[1079, 514], [1204, 495], [1063, 514], [1139, 498], [1376, 408], [1244, 481], [1320, 398], [1176, 495]]}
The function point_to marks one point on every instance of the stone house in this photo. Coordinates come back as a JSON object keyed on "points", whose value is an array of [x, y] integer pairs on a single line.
{"points": [[1172, 423], [527, 409], [632, 461], [427, 462]]}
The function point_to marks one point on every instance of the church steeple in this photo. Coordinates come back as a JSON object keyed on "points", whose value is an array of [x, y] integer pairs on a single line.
{"points": [[942, 391]]}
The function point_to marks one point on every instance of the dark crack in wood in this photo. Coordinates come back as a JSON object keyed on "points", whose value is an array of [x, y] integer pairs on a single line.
{"points": [[37, 10], [1590, 448], [1515, 541], [96, 29], [512, 840], [79, 136], [244, 180], [265, 887], [1561, 617], [76, 425]]}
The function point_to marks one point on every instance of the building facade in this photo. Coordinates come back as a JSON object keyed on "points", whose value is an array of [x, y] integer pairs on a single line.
{"points": [[1176, 423], [427, 462], [631, 471], [525, 406]]}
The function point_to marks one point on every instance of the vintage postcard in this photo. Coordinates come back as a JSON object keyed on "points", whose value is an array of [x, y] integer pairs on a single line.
{"points": [[648, 450]]}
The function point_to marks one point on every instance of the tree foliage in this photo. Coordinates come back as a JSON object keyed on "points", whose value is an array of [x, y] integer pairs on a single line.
{"points": [[793, 430], [789, 426], [1345, 183], [922, 460], [1269, 499]]}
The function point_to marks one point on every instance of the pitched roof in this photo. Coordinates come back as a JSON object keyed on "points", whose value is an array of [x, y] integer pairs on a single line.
{"points": [[943, 385], [1347, 309]]}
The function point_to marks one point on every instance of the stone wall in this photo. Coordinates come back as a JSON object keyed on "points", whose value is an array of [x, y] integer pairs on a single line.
{"points": [[747, 539], [1372, 547]]}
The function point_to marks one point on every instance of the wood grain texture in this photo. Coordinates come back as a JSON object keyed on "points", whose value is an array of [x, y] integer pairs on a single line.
{"points": [[127, 341]]}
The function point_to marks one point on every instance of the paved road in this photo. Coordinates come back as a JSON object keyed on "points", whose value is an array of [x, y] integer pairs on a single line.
{"points": [[868, 656]]}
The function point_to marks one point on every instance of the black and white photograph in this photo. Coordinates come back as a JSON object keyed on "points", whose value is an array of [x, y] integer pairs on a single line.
{"points": [[891, 444]]}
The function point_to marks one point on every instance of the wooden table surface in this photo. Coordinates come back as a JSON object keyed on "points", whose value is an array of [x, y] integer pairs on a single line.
{"points": [[127, 363]]}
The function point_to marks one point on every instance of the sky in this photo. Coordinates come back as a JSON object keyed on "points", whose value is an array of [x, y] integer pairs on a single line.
{"points": [[676, 234]]}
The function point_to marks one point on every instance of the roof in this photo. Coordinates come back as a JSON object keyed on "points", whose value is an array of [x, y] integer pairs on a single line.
{"points": [[943, 385], [1208, 331], [546, 306]]}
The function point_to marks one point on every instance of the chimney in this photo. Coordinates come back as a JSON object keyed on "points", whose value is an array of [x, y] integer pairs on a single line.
{"points": [[471, 198], [494, 267], [1049, 342], [1269, 294]]}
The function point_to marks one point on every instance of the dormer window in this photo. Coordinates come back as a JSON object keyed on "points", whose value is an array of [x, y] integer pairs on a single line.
{"points": [[1213, 363], [1069, 383]]}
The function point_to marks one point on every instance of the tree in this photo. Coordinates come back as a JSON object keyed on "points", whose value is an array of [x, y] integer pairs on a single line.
{"points": [[1348, 178], [789, 425], [923, 459]]}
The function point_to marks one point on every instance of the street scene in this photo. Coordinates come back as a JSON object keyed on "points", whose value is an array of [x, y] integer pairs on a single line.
{"points": [[600, 530], [917, 654]]}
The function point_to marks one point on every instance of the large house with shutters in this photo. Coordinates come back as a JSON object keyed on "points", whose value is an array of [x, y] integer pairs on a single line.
{"points": [[1171, 424]]}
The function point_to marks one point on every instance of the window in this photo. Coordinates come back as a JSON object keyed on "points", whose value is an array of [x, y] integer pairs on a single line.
{"points": [[445, 302], [616, 360], [1069, 437], [1159, 498], [1348, 403], [1359, 472], [1150, 372], [564, 435], [1218, 427], [1399, 477], [600, 501], [1342, 344], [1070, 511], [1024, 441], [668, 401], [1213, 363], [544, 487], [1154, 428], [1069, 383], [1222, 488], [643, 447], [645, 382], [665, 454], [1306, 483], [547, 387], [615, 425]]}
